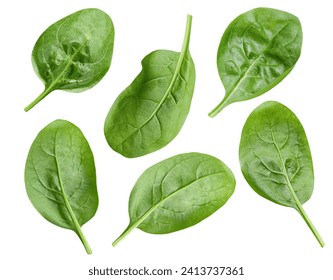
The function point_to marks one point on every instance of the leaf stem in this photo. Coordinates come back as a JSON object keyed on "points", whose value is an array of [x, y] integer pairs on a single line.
{"points": [[77, 226], [186, 40], [39, 98], [308, 221], [83, 239], [218, 108], [124, 234], [133, 225], [299, 206]]}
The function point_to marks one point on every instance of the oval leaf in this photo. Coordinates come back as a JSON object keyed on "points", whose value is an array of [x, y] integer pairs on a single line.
{"points": [[275, 158], [60, 177], [258, 49], [151, 111], [179, 192], [74, 53]]}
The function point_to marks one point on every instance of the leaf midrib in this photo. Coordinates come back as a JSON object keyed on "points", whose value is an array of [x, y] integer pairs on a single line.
{"points": [[155, 206], [285, 174], [75, 222], [55, 81], [298, 204], [229, 95], [181, 59]]}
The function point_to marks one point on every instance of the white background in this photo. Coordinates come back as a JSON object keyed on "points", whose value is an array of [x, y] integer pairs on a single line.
{"points": [[268, 240]]}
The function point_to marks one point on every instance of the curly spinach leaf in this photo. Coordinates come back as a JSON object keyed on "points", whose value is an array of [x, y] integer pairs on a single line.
{"points": [[275, 158], [257, 51], [149, 113], [60, 177], [74, 53], [178, 192]]}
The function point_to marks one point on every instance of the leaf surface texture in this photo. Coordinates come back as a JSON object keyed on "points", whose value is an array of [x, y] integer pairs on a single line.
{"points": [[179, 192], [257, 51], [74, 53], [275, 158], [60, 177], [150, 112]]}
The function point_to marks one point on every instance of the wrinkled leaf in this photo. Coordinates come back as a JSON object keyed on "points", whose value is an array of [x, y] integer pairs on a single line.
{"points": [[149, 113], [178, 192], [74, 53], [257, 51], [60, 177], [275, 158]]}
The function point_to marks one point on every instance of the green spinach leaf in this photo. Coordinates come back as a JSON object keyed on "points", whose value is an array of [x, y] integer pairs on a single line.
{"points": [[275, 158], [60, 177], [149, 113], [178, 192], [74, 53], [257, 51]]}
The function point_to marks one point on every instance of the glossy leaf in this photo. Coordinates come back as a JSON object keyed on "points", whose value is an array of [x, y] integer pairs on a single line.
{"points": [[178, 192], [257, 51], [60, 177], [74, 53], [275, 158], [151, 111]]}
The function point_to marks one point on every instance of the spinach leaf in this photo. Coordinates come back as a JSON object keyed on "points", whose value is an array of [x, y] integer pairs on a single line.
{"points": [[60, 177], [149, 113], [275, 158], [178, 192], [257, 51], [74, 53]]}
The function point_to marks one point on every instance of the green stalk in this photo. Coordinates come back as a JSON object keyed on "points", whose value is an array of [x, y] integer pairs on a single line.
{"points": [[132, 226], [308, 221], [300, 210], [186, 40], [299, 206], [219, 108], [77, 226], [183, 52], [125, 233], [83, 239], [39, 98]]}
